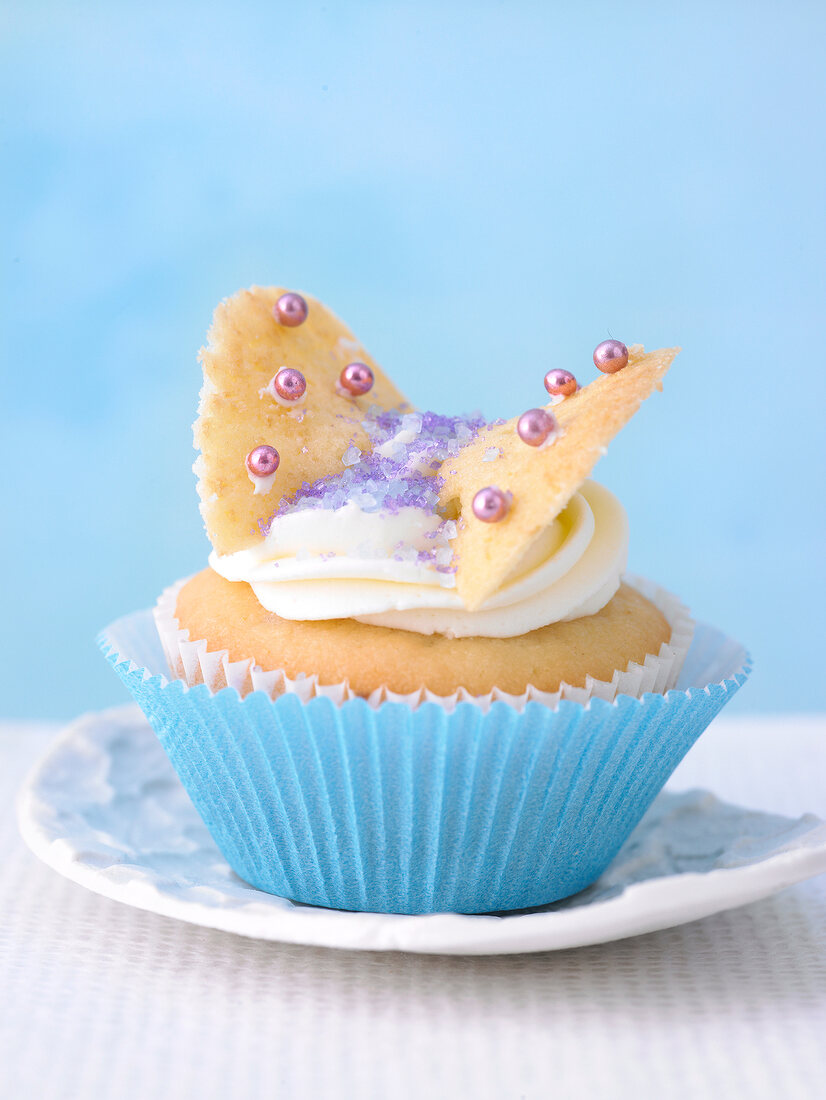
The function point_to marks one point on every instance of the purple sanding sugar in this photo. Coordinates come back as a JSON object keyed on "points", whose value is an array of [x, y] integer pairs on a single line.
{"points": [[399, 478]]}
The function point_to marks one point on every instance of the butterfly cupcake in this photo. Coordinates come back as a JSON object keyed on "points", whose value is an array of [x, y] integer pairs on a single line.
{"points": [[414, 676]]}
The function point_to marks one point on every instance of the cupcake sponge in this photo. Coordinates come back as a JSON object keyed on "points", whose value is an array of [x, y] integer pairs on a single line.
{"points": [[625, 631]]}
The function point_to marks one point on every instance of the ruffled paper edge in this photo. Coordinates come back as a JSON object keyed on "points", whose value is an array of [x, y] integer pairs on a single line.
{"points": [[194, 663]]}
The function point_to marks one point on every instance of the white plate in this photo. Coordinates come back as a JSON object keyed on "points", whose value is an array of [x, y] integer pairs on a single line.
{"points": [[105, 808]]}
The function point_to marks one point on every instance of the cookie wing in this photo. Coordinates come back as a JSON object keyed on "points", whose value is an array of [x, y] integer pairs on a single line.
{"points": [[541, 480], [246, 347]]}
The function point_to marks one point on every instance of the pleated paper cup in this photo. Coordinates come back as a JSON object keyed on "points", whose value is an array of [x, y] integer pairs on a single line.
{"points": [[194, 662], [420, 806]]}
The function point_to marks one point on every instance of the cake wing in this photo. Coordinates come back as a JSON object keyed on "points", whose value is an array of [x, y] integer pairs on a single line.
{"points": [[246, 347], [541, 480]]}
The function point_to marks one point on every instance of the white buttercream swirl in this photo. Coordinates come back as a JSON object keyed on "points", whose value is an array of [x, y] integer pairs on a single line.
{"points": [[378, 567]]}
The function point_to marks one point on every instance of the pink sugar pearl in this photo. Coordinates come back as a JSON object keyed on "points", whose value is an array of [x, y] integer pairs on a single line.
{"points": [[289, 384], [357, 379], [490, 504], [560, 383], [610, 356], [534, 426], [263, 461], [290, 310]]}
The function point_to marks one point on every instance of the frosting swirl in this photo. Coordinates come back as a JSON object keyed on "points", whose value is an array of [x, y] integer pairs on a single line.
{"points": [[378, 568]]}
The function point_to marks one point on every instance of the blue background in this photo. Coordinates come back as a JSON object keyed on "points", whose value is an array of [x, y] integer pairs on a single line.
{"points": [[482, 191]]}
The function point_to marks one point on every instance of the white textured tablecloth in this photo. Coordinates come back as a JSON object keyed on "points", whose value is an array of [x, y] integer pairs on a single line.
{"points": [[104, 1002]]}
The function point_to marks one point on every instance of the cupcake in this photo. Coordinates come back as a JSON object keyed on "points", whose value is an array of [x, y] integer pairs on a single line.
{"points": [[414, 676]]}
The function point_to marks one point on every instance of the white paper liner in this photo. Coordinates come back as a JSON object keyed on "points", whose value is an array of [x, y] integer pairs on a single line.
{"points": [[194, 663]]}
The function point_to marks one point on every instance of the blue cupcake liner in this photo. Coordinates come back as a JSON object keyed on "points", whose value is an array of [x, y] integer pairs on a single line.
{"points": [[400, 809]]}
